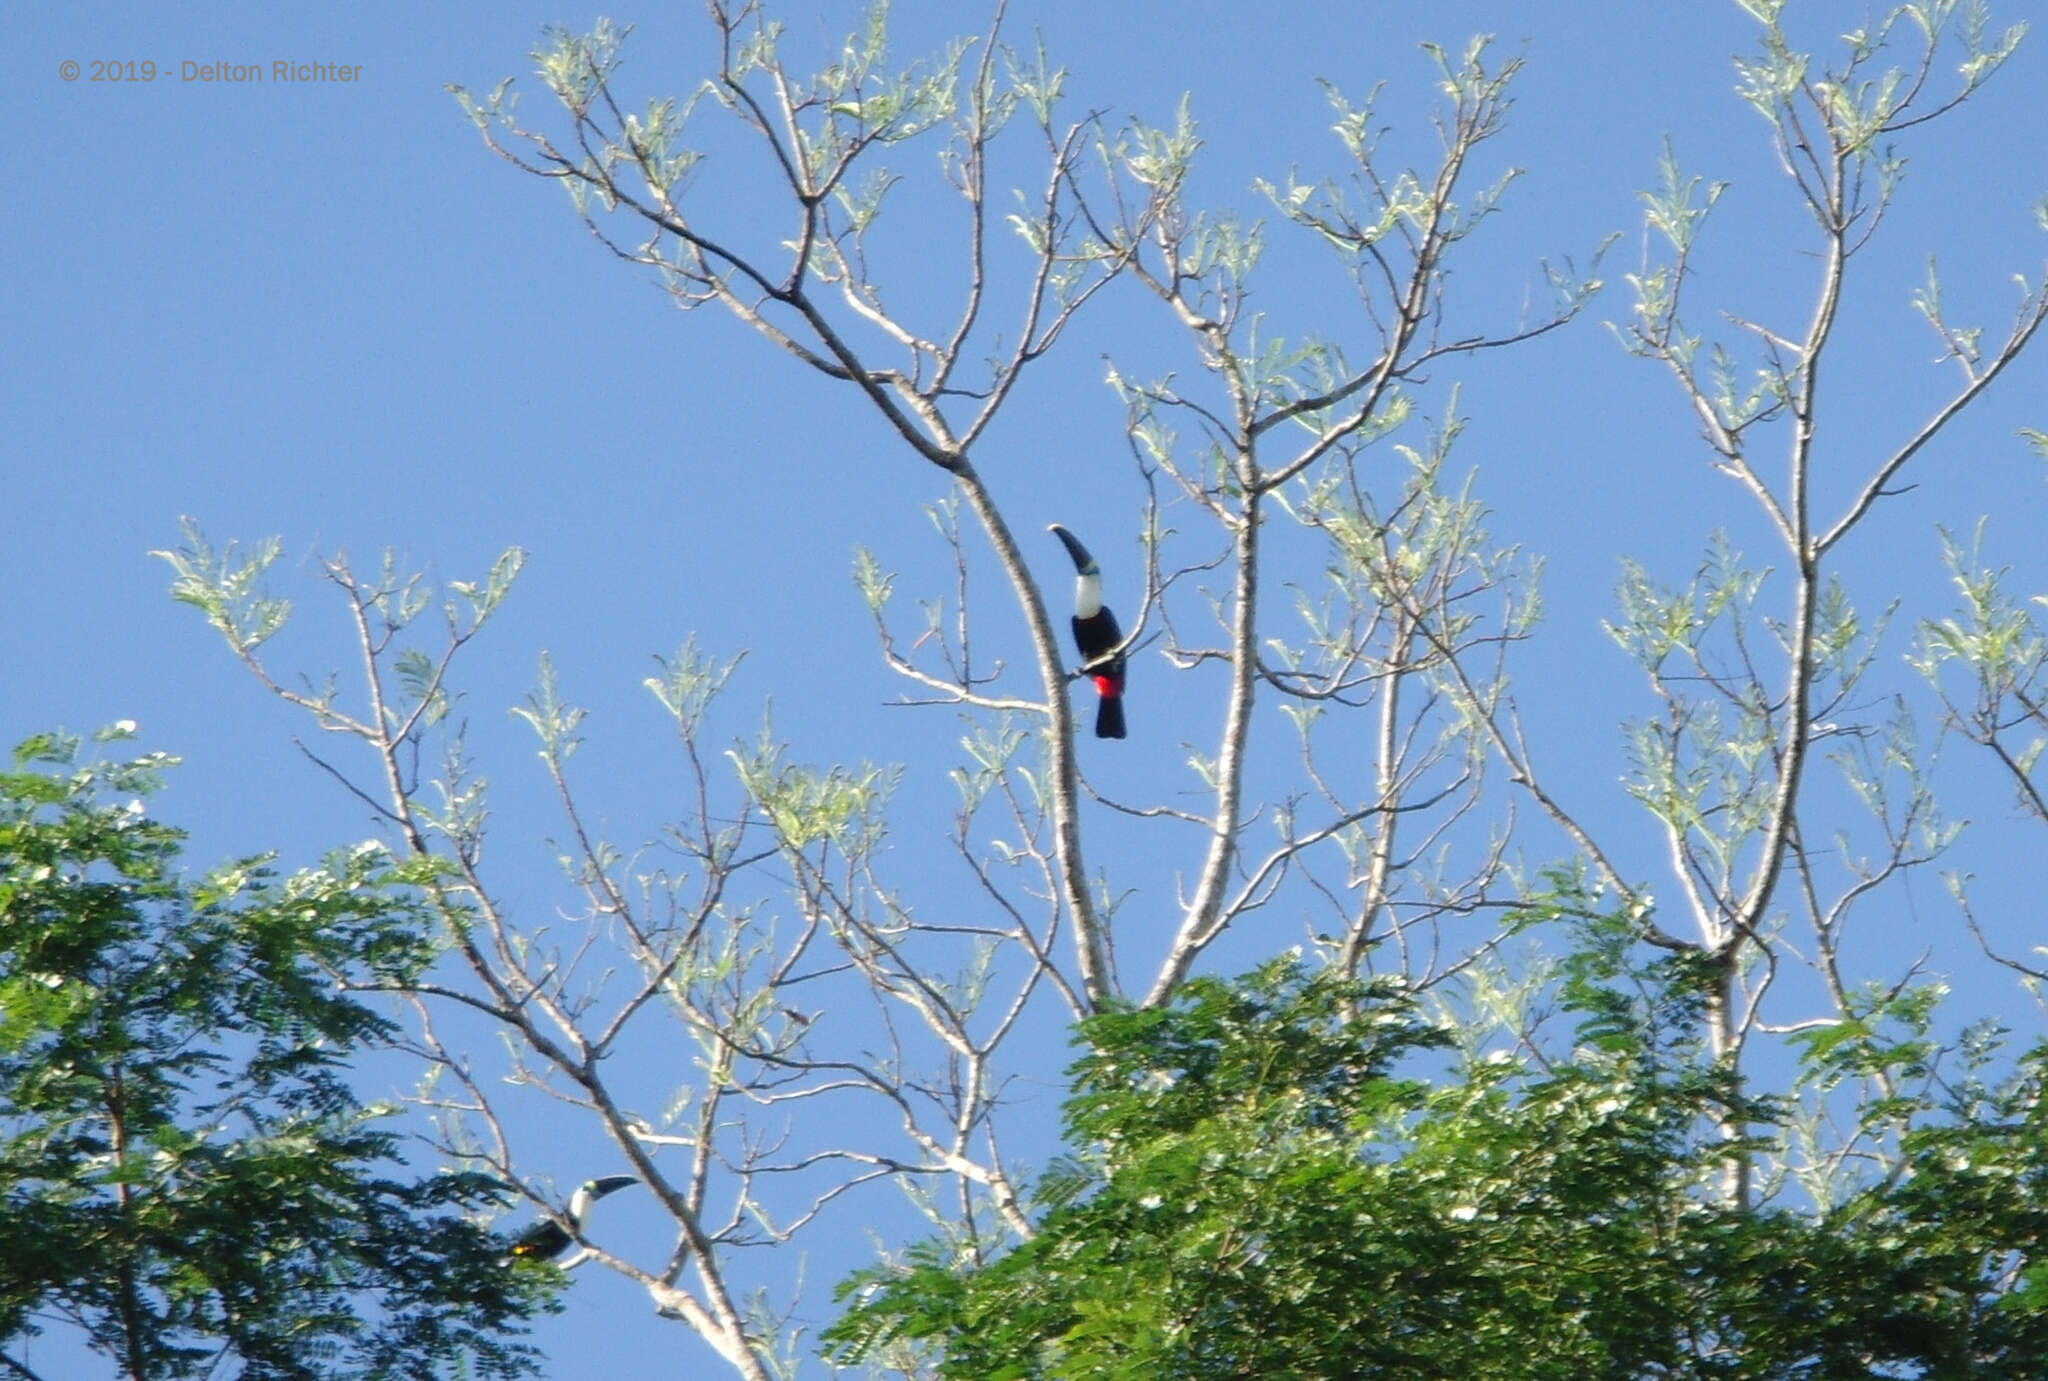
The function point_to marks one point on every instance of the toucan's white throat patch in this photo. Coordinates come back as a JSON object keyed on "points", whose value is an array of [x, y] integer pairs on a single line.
{"points": [[1087, 596]]}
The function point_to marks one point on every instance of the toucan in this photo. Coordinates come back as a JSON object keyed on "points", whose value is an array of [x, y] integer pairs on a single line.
{"points": [[548, 1239], [1097, 635]]}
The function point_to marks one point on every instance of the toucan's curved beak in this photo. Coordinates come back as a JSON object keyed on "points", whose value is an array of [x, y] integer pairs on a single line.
{"points": [[1083, 562]]}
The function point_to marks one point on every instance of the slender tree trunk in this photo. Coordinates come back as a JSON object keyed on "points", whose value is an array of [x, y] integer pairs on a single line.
{"points": [[135, 1340]]}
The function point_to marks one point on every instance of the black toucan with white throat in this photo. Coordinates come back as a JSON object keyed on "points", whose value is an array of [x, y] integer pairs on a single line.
{"points": [[548, 1239], [1097, 635]]}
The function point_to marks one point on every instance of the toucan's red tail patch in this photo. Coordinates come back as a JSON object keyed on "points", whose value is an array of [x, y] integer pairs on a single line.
{"points": [[1107, 687]]}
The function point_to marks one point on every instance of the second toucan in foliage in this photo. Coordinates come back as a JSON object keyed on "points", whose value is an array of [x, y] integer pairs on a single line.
{"points": [[1097, 635], [548, 1239]]}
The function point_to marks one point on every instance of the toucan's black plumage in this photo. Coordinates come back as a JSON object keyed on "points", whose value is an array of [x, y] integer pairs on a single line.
{"points": [[1097, 635], [548, 1239]]}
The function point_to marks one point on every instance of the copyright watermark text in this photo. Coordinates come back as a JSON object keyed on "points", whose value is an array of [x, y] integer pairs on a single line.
{"points": [[217, 72]]}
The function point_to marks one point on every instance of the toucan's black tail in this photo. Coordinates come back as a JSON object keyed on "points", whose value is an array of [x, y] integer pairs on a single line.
{"points": [[1109, 717]]}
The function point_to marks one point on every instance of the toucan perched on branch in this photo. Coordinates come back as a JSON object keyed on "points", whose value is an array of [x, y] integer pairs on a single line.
{"points": [[1096, 634], [548, 1239]]}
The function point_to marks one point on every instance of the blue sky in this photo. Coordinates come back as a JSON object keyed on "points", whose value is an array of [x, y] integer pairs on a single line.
{"points": [[326, 312]]}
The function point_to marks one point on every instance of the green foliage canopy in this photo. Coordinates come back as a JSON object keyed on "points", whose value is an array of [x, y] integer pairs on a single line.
{"points": [[1255, 1194], [185, 1174]]}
